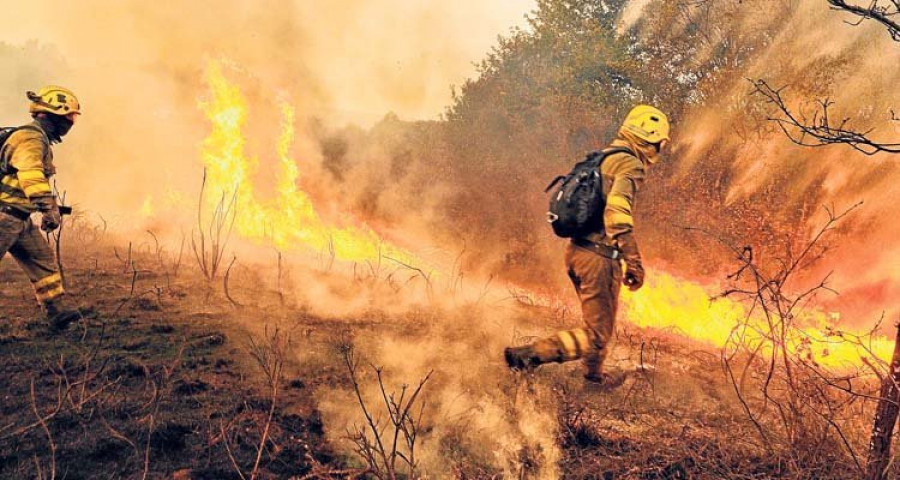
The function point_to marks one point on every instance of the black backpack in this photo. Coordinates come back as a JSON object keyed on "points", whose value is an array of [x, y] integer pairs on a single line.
{"points": [[577, 204]]}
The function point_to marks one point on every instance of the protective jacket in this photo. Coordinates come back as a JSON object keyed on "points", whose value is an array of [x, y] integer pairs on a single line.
{"points": [[623, 174], [26, 163], [597, 279]]}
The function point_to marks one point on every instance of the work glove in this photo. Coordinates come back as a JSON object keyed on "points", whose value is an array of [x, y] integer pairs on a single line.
{"points": [[50, 220], [50, 213], [634, 270]]}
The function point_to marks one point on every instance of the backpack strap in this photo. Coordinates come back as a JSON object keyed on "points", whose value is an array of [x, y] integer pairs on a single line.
{"points": [[554, 182], [603, 154], [12, 130], [591, 156], [612, 151]]}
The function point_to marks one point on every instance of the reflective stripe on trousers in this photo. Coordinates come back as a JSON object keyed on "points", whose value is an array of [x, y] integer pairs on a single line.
{"points": [[25, 243], [597, 281]]}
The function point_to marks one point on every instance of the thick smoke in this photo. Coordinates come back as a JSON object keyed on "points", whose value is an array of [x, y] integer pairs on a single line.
{"points": [[816, 55], [139, 74], [134, 157]]}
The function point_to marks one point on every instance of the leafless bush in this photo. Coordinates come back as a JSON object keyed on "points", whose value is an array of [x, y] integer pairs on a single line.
{"points": [[797, 406], [397, 274], [169, 269], [158, 383], [84, 232], [269, 354], [51, 444], [387, 446], [416, 273], [81, 389], [78, 383], [210, 238]]}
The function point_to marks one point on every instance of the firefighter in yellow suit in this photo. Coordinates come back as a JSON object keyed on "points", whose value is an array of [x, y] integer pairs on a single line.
{"points": [[593, 262], [26, 165]]}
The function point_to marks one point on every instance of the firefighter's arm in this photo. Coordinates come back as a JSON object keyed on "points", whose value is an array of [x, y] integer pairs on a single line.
{"points": [[28, 152], [628, 174]]}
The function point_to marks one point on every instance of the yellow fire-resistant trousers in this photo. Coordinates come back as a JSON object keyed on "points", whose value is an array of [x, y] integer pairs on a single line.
{"points": [[24, 242], [597, 280]]}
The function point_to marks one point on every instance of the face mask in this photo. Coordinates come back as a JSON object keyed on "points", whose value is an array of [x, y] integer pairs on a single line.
{"points": [[646, 151], [55, 126], [62, 125]]}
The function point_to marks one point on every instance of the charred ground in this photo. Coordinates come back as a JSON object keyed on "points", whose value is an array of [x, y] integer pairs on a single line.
{"points": [[171, 375], [167, 378], [155, 381]]}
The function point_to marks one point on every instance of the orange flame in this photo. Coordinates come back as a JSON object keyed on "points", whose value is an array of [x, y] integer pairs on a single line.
{"points": [[290, 220], [670, 303]]}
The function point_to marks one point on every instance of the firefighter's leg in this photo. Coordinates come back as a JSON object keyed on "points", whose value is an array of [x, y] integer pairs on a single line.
{"points": [[10, 229], [563, 346], [34, 255], [597, 280], [592, 276]]}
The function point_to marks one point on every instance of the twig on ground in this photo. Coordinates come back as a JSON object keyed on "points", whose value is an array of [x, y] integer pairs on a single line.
{"points": [[225, 283]]}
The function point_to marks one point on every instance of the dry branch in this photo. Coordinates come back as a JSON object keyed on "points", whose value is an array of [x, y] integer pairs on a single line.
{"points": [[819, 129], [225, 282], [794, 403], [381, 444], [887, 15]]}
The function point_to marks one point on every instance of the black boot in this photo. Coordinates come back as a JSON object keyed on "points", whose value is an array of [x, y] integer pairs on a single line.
{"points": [[605, 380], [521, 358], [59, 318]]}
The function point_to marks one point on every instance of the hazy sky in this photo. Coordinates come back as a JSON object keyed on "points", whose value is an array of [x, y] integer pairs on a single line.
{"points": [[361, 58], [139, 69]]}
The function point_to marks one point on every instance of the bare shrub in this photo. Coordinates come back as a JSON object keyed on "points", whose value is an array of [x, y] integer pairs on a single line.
{"points": [[211, 237], [388, 446], [800, 409], [269, 354]]}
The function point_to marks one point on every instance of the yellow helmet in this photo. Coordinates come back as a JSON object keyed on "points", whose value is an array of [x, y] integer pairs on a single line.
{"points": [[53, 99], [647, 123]]}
